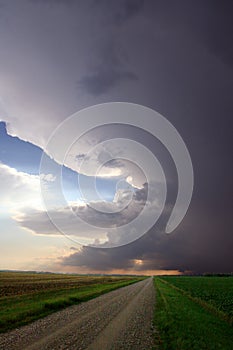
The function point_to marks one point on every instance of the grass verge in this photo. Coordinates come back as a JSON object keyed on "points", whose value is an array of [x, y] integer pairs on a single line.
{"points": [[184, 324]]}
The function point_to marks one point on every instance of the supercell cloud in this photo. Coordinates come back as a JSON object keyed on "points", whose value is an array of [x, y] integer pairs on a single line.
{"points": [[57, 57]]}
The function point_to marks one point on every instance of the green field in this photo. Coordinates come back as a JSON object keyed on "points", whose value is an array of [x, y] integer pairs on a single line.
{"points": [[25, 297], [194, 312]]}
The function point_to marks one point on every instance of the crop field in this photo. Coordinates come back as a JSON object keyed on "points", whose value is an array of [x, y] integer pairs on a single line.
{"points": [[194, 312], [25, 297], [216, 291]]}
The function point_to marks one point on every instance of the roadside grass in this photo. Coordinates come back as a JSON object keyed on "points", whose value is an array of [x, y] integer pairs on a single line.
{"points": [[183, 324], [22, 308]]}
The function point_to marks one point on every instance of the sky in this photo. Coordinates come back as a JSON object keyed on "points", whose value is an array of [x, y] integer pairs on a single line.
{"points": [[60, 57]]}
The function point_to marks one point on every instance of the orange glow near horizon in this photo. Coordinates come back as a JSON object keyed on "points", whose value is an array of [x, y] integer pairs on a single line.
{"points": [[82, 270]]}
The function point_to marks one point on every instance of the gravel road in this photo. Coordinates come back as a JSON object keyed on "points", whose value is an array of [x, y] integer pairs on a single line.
{"points": [[121, 319]]}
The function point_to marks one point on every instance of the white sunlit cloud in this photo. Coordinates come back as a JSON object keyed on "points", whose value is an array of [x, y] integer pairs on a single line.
{"points": [[19, 189], [107, 224], [21, 197]]}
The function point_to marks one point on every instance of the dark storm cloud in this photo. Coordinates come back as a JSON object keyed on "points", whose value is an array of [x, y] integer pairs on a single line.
{"points": [[121, 10], [55, 2], [215, 27], [193, 67], [186, 250], [111, 71], [210, 22], [175, 57], [104, 79]]}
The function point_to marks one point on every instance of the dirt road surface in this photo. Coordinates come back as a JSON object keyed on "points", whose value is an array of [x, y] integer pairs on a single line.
{"points": [[121, 319]]}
